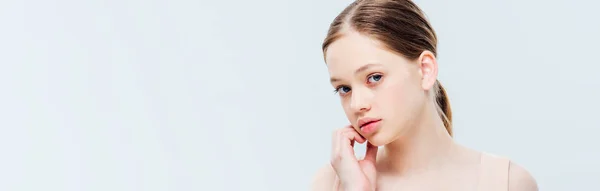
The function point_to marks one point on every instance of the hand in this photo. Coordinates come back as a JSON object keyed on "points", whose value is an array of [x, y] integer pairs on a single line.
{"points": [[353, 174]]}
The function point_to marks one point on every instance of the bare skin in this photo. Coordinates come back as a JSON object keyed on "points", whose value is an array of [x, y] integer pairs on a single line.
{"points": [[411, 149]]}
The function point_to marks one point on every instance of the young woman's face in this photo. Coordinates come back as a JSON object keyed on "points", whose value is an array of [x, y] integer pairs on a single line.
{"points": [[376, 84]]}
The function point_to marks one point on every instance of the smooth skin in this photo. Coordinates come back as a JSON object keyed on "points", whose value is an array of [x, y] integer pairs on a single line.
{"points": [[411, 149]]}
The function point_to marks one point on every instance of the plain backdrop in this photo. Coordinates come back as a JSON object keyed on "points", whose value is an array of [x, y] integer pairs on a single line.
{"points": [[126, 95]]}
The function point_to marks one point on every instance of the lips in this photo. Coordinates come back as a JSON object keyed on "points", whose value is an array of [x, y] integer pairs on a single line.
{"points": [[369, 125], [366, 121]]}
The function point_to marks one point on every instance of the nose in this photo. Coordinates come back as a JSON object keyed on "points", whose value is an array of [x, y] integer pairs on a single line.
{"points": [[361, 101]]}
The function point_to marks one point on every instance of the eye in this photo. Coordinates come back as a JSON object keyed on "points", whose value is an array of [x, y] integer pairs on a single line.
{"points": [[374, 78], [342, 90]]}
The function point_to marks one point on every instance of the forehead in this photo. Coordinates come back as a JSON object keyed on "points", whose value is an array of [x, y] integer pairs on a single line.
{"points": [[353, 50]]}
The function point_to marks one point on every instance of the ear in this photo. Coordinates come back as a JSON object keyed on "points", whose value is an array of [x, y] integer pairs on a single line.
{"points": [[428, 68]]}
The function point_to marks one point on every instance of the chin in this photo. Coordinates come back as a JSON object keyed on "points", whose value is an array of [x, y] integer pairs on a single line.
{"points": [[379, 139], [383, 136]]}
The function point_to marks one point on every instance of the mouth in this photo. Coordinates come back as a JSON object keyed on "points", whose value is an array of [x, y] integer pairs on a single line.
{"points": [[368, 125]]}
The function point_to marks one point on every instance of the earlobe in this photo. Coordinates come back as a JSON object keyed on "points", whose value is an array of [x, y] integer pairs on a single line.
{"points": [[428, 67]]}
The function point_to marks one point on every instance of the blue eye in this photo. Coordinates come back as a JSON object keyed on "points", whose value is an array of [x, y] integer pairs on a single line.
{"points": [[342, 89], [374, 78]]}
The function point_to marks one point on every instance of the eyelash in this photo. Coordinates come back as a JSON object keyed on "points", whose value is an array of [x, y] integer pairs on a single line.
{"points": [[337, 89]]}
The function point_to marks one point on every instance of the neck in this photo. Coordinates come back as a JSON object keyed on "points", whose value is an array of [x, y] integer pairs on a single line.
{"points": [[426, 145]]}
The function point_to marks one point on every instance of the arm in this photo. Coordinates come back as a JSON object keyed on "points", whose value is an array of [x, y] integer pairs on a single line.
{"points": [[324, 179], [520, 179]]}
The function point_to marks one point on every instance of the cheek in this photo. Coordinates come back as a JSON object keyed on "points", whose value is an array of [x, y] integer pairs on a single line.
{"points": [[389, 97], [396, 98], [348, 110]]}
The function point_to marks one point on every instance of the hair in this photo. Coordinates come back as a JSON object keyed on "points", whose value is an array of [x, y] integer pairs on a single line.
{"points": [[401, 26]]}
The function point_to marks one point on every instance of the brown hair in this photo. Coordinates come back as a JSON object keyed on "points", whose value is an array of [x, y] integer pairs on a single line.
{"points": [[400, 26]]}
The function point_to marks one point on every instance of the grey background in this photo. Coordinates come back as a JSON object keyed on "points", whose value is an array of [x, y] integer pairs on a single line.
{"points": [[234, 95]]}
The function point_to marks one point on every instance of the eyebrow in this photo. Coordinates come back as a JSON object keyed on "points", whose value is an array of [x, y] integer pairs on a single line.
{"points": [[361, 69]]}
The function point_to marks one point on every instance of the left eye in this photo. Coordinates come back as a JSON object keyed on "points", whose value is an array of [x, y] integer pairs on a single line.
{"points": [[374, 78]]}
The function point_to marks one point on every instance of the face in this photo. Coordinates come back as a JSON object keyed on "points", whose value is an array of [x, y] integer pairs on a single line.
{"points": [[375, 84]]}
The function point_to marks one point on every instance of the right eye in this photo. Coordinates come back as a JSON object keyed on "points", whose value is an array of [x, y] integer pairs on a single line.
{"points": [[342, 90]]}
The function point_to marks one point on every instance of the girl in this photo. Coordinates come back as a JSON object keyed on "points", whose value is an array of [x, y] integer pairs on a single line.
{"points": [[381, 57]]}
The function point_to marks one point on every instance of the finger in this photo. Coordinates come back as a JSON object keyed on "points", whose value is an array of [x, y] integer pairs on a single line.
{"points": [[356, 136], [336, 145], [359, 134], [346, 138], [336, 185], [371, 154], [352, 136], [347, 144]]}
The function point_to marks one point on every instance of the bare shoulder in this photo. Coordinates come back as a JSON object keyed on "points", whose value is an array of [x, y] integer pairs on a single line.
{"points": [[324, 179], [519, 179]]}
